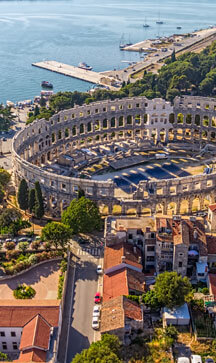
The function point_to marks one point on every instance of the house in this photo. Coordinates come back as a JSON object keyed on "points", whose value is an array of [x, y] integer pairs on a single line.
{"points": [[123, 282], [120, 316], [29, 330], [211, 282], [211, 247], [211, 219], [176, 316], [201, 271]]}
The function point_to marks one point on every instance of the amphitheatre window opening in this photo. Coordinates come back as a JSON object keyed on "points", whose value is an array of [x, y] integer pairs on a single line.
{"points": [[89, 127], [81, 114], [172, 118], [163, 107], [154, 107], [121, 121], [137, 119], [113, 122], [96, 110], [81, 129], [214, 107], [145, 118], [105, 123], [53, 137], [39, 131], [129, 106], [207, 107], [88, 112], [104, 109], [65, 118], [188, 119], [205, 121], [129, 120], [137, 105], [59, 135], [113, 108], [72, 116], [197, 120], [172, 190], [204, 134], [209, 183], [146, 104], [52, 122], [66, 133], [112, 135], [63, 186], [58, 119], [197, 185], [97, 138], [97, 125], [213, 123], [74, 130], [213, 135], [120, 107], [198, 105], [180, 118]]}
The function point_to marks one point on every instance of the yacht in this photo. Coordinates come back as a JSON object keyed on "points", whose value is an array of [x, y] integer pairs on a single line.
{"points": [[178, 27], [85, 66], [159, 21], [146, 25], [46, 84]]}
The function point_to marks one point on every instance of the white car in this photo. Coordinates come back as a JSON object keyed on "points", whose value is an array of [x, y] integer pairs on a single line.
{"points": [[183, 360], [96, 310], [99, 270], [196, 359], [95, 322]]}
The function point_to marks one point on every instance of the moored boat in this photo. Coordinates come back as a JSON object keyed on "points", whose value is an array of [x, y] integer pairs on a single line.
{"points": [[46, 84], [85, 66]]}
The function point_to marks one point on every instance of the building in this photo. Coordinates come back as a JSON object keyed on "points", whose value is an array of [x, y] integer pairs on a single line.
{"points": [[212, 217], [29, 330], [211, 247], [176, 316], [120, 316], [212, 285]]}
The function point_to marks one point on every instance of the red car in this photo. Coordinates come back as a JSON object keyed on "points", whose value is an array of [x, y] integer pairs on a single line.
{"points": [[97, 298]]}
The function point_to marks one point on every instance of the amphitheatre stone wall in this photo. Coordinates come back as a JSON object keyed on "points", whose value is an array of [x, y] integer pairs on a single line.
{"points": [[190, 119]]}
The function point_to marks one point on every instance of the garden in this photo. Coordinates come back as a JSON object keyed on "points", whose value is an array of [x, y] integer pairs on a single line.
{"points": [[24, 292], [203, 324]]}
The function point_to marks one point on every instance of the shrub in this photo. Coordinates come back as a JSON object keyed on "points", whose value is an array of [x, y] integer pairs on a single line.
{"points": [[60, 286], [133, 298], [12, 254], [10, 245], [24, 292], [33, 259], [23, 246], [205, 291], [35, 245], [47, 246]]}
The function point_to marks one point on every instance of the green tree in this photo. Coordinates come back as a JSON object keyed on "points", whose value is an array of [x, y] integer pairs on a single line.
{"points": [[82, 215], [22, 196], [23, 246], [57, 234], [6, 117], [31, 200], [39, 205], [81, 193], [172, 289], [104, 351], [3, 357], [4, 178], [173, 56], [36, 111], [150, 299], [11, 221], [42, 102], [2, 194]]}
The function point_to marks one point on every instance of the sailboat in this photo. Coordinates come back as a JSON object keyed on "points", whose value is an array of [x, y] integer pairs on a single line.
{"points": [[146, 25], [159, 21], [122, 44]]}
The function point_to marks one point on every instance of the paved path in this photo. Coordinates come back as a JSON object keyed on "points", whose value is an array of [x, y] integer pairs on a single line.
{"points": [[81, 334], [44, 279]]}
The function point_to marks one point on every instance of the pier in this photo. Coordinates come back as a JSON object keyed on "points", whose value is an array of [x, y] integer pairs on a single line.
{"points": [[76, 72]]}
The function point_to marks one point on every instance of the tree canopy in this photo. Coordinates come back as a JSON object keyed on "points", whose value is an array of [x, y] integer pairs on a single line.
{"points": [[6, 117], [57, 234], [11, 221], [22, 195], [39, 205], [4, 178], [82, 215], [172, 289], [105, 350]]}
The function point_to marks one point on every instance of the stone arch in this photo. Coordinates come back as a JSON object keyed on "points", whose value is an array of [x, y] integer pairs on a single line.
{"points": [[162, 134], [74, 131], [105, 123], [113, 122], [66, 132], [170, 134], [184, 206], [204, 134], [145, 118], [171, 118], [129, 120], [89, 126], [81, 129], [205, 121], [53, 137], [195, 204], [159, 208], [97, 125], [138, 119], [59, 134], [121, 121], [172, 208], [117, 209], [188, 119], [213, 136], [146, 211]]}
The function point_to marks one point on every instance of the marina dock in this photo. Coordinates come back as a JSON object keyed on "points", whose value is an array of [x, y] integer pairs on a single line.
{"points": [[76, 72]]}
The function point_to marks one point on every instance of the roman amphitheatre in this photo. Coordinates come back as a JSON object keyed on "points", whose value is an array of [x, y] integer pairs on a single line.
{"points": [[130, 155]]}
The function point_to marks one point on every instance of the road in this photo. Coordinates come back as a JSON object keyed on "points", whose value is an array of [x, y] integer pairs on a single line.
{"points": [[81, 334]]}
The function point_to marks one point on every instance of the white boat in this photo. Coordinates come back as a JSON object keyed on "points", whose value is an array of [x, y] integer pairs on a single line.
{"points": [[159, 21], [85, 66], [146, 25]]}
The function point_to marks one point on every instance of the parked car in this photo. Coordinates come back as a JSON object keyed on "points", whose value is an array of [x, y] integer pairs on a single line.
{"points": [[97, 298], [22, 239], [183, 360], [99, 270], [96, 310], [95, 322], [196, 359], [209, 360], [8, 240]]}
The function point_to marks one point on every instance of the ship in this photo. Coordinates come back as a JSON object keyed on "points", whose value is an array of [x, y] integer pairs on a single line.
{"points": [[159, 21], [122, 44], [46, 84], [85, 66], [178, 27], [146, 25]]}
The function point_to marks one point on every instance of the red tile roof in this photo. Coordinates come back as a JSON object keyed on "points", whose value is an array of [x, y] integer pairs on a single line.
{"points": [[212, 207], [120, 282], [132, 310], [212, 281], [211, 245], [21, 313], [36, 333], [32, 355], [113, 255]]}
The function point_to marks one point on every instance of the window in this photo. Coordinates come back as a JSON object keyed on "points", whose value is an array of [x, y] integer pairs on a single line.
{"points": [[15, 346], [180, 264], [2, 334], [150, 248], [130, 236], [4, 345], [13, 333], [150, 258]]}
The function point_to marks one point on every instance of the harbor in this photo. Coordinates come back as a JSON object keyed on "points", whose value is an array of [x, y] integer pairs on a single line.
{"points": [[80, 73]]}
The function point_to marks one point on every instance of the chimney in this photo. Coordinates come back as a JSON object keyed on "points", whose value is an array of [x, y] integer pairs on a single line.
{"points": [[123, 258], [148, 229]]}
